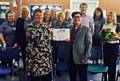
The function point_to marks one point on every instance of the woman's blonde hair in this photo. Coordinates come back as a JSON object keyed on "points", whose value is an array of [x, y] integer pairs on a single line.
{"points": [[66, 10], [61, 12], [114, 17], [27, 9], [53, 11]]}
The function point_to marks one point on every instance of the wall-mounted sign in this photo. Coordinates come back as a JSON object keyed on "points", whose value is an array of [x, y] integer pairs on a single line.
{"points": [[45, 7]]}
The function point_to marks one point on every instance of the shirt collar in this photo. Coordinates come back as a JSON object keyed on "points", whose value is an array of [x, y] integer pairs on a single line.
{"points": [[83, 15], [76, 28]]}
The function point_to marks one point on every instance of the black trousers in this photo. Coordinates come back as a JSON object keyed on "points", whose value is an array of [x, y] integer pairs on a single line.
{"points": [[23, 51], [47, 77], [80, 69], [110, 56]]}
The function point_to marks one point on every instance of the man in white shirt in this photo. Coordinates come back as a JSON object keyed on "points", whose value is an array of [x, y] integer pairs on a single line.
{"points": [[85, 19]]}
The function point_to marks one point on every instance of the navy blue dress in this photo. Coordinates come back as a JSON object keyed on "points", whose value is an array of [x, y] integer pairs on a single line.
{"points": [[96, 51]]}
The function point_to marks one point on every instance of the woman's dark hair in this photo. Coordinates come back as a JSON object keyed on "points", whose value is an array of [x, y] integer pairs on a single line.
{"points": [[100, 10], [35, 11], [74, 13]]}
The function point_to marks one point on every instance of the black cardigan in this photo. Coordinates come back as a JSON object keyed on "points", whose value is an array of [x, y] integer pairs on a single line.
{"points": [[20, 37]]}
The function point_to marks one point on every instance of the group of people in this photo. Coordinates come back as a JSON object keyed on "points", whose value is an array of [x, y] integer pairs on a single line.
{"points": [[40, 51]]}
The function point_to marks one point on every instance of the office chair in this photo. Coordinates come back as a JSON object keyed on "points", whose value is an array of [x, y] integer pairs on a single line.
{"points": [[8, 59], [96, 67]]}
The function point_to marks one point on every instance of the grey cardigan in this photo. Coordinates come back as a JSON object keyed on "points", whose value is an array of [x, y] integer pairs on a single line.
{"points": [[82, 45]]}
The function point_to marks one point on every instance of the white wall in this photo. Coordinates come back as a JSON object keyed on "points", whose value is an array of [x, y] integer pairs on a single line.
{"points": [[92, 4]]}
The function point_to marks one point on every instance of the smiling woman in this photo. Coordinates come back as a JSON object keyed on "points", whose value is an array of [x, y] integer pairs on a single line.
{"points": [[7, 30], [38, 49], [47, 18], [37, 16], [110, 47]]}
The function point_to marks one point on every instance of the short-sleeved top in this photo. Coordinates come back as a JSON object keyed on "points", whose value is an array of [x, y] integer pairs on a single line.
{"points": [[8, 32]]}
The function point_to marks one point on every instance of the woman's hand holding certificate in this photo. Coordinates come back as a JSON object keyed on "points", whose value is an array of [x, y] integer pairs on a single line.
{"points": [[61, 34]]}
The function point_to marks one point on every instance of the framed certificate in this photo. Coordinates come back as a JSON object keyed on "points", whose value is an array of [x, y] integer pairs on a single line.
{"points": [[61, 34]]}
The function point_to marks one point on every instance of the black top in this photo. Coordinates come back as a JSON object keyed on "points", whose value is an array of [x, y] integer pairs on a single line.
{"points": [[20, 37]]}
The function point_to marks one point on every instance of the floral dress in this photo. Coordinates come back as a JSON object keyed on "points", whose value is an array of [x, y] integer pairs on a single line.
{"points": [[38, 50]]}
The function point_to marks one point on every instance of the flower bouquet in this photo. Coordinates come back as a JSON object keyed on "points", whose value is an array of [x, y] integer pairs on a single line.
{"points": [[107, 35]]}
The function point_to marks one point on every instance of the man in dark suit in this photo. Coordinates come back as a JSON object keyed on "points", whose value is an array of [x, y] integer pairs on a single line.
{"points": [[81, 41]]}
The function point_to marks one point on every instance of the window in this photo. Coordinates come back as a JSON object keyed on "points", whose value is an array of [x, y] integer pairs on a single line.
{"points": [[92, 4]]}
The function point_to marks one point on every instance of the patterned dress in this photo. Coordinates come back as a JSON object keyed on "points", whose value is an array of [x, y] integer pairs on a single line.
{"points": [[38, 50]]}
